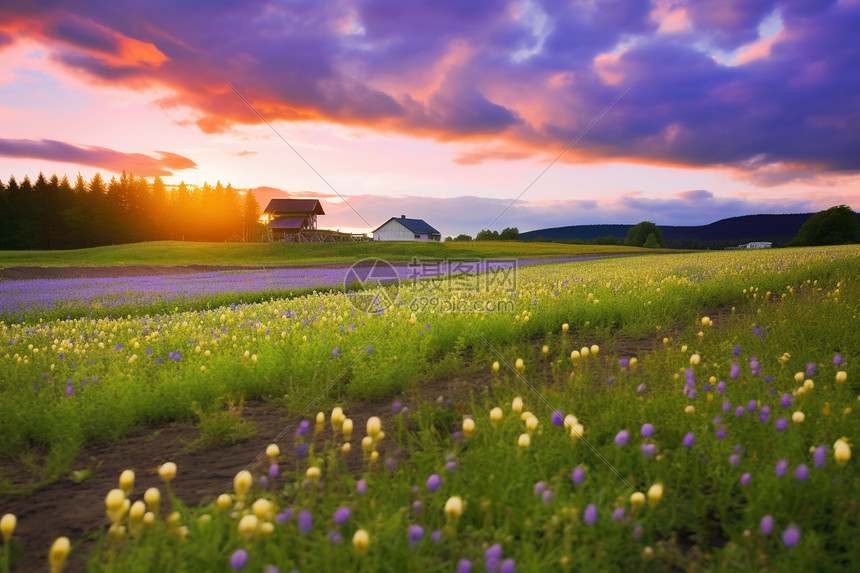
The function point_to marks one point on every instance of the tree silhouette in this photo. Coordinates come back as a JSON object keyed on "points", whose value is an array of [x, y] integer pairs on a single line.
{"points": [[835, 226], [638, 234]]}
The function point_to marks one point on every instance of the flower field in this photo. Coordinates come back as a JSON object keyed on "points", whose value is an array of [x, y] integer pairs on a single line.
{"points": [[660, 412], [99, 297]]}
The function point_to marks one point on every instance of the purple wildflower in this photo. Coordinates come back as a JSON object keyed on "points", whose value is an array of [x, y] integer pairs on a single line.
{"points": [[335, 537], [781, 424], [648, 449], [624, 363], [637, 532], [342, 514], [736, 370], [837, 360], [618, 514], [726, 405], [752, 406], [802, 472], [578, 475], [508, 566], [416, 532], [689, 439], [610, 381], [739, 411], [734, 459], [746, 479], [791, 536], [557, 418], [622, 437], [361, 486], [370, 350], [781, 468], [718, 419], [494, 550], [590, 514], [721, 433], [766, 524], [811, 368], [306, 521], [641, 388], [647, 430], [539, 488], [302, 451], [273, 470], [395, 406], [335, 353], [284, 516], [785, 401], [239, 559], [434, 482], [546, 497], [721, 387], [820, 456], [736, 350], [303, 428], [417, 506], [464, 566], [264, 482]]}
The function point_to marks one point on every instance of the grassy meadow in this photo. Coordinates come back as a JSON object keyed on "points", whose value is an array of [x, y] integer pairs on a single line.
{"points": [[178, 253], [716, 444]]}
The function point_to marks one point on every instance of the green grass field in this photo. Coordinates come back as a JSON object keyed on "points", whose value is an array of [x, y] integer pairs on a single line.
{"points": [[176, 253], [725, 445]]}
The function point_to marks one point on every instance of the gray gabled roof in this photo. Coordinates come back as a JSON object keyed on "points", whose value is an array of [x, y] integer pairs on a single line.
{"points": [[419, 226], [294, 206]]}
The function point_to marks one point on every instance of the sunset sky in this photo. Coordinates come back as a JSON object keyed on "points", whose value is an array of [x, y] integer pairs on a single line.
{"points": [[448, 110]]}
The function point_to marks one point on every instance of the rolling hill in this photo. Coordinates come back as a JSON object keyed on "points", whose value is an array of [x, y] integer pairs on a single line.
{"points": [[778, 229]]}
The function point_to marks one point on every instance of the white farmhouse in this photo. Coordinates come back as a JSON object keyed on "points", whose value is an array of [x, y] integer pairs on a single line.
{"points": [[404, 229], [757, 245]]}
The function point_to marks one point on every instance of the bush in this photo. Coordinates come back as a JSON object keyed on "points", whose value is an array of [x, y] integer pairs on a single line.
{"points": [[835, 226], [651, 242], [638, 234]]}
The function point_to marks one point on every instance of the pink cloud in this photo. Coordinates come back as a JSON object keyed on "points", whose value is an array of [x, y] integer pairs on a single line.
{"points": [[142, 165]]}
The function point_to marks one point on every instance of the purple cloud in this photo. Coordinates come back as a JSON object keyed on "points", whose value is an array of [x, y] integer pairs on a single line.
{"points": [[530, 74], [138, 163]]}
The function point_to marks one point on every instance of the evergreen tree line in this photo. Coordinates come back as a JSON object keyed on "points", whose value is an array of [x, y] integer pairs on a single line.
{"points": [[54, 214]]}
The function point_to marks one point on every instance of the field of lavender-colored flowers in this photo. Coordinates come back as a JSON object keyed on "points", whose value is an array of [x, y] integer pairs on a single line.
{"points": [[17, 296]]}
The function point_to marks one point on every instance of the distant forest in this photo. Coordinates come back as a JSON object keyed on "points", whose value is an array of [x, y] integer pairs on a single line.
{"points": [[54, 214]]}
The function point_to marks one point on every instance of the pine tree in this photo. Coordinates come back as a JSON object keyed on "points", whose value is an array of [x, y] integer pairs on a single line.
{"points": [[250, 217]]}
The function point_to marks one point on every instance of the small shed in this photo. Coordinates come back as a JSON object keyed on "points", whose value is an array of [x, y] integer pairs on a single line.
{"points": [[404, 229], [290, 216]]}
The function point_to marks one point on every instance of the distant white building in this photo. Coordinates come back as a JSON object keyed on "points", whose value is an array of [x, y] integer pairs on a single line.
{"points": [[404, 229], [757, 245]]}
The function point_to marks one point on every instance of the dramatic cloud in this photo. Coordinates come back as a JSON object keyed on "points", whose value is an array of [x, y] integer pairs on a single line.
{"points": [[111, 160], [713, 84]]}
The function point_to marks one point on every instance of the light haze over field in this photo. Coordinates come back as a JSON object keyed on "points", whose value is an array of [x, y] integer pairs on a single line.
{"points": [[447, 110]]}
